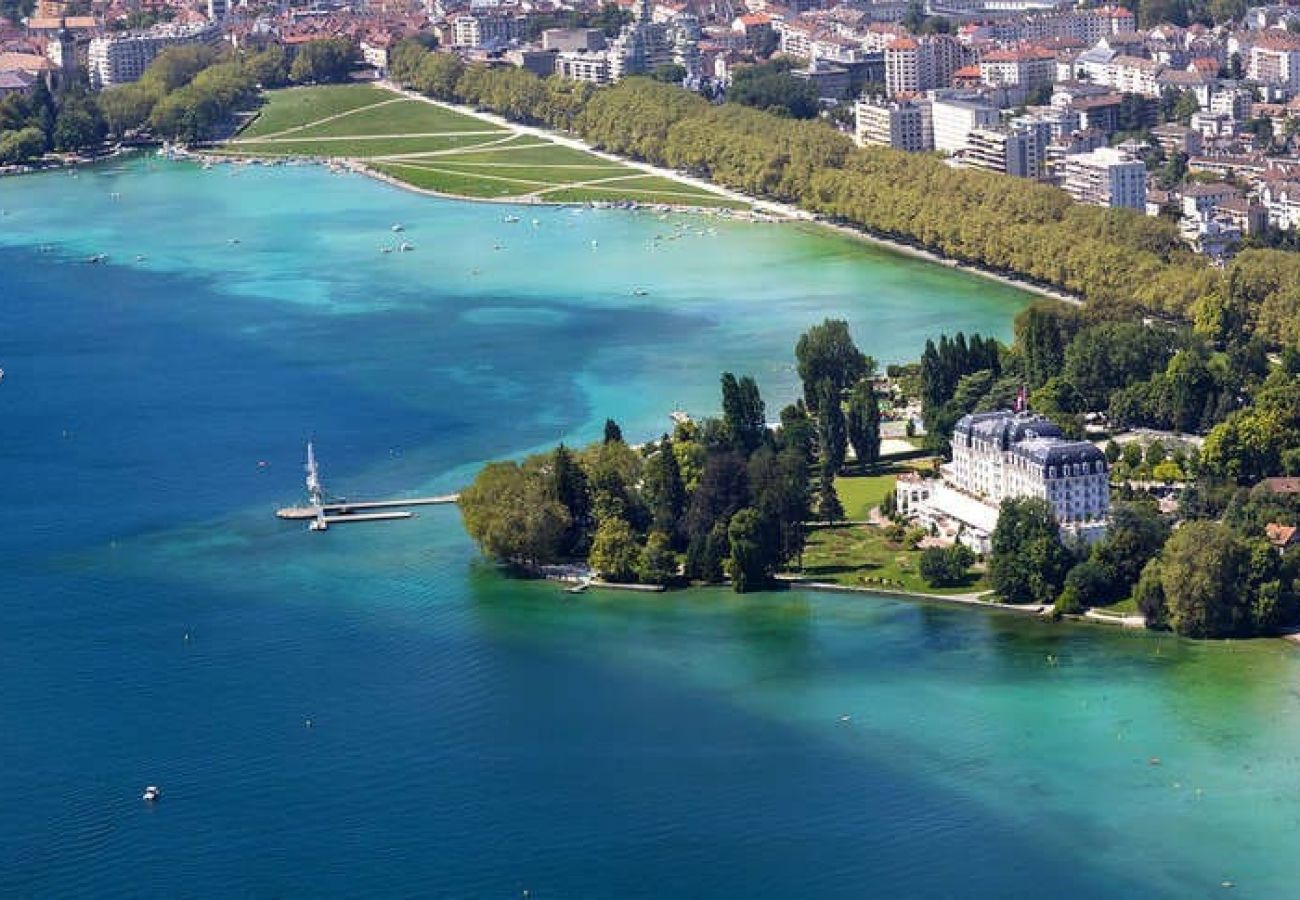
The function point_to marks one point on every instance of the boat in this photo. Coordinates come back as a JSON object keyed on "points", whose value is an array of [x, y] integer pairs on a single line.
{"points": [[510, 220], [398, 228], [2, 374], [640, 292], [151, 794], [406, 247], [97, 258], [578, 588], [385, 249]]}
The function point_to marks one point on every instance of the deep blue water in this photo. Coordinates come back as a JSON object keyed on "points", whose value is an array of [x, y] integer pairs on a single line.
{"points": [[375, 711]]}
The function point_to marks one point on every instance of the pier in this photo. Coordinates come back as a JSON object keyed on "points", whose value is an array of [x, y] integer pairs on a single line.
{"points": [[362, 510], [322, 513]]}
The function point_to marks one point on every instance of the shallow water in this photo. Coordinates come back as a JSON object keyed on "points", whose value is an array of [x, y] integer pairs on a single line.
{"points": [[472, 736]]}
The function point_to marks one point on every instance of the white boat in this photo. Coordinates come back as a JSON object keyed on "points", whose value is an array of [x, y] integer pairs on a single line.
{"points": [[151, 794], [398, 228], [510, 219], [405, 247]]}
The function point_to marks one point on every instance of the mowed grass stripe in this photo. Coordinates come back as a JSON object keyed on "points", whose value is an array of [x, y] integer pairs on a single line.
{"points": [[293, 107], [455, 183], [360, 147], [561, 176], [402, 117]]}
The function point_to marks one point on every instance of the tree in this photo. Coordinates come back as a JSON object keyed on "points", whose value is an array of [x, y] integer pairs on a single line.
{"points": [[269, 68], [863, 423], [509, 513], [946, 566], [439, 75], [780, 489], [665, 492], [723, 489], [21, 146], [1028, 563], [706, 554], [613, 434], [78, 124], [1086, 585], [176, 67], [826, 353], [1203, 574], [829, 507], [753, 557], [658, 564], [324, 61], [1043, 331], [771, 88], [127, 107], [1150, 596], [1134, 537], [569, 487], [669, 73], [743, 413], [614, 555], [832, 433]]}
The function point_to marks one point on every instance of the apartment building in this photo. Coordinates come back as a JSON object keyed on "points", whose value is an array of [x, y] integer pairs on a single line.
{"points": [[1105, 177]]}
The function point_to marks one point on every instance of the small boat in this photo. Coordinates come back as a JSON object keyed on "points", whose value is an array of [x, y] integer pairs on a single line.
{"points": [[2, 374], [578, 588], [97, 258], [385, 249], [398, 228], [640, 292], [510, 220], [151, 794], [405, 247]]}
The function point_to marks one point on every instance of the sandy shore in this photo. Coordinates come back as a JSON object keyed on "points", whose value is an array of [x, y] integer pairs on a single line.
{"points": [[783, 211]]}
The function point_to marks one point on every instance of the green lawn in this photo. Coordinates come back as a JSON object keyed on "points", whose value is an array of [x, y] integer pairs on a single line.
{"points": [[402, 117], [859, 493], [447, 182], [443, 150], [292, 107], [861, 556], [354, 147]]}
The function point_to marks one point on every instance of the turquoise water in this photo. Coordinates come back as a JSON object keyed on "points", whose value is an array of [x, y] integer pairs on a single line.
{"points": [[476, 737]]}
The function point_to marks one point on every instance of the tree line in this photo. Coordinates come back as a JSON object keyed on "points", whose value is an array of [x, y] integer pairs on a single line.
{"points": [[725, 497]]}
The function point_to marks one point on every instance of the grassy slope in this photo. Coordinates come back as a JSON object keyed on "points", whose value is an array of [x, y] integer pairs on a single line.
{"points": [[298, 106], [373, 123], [860, 556], [858, 494]]}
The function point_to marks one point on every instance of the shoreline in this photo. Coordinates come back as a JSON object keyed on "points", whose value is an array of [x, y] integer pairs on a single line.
{"points": [[773, 208]]}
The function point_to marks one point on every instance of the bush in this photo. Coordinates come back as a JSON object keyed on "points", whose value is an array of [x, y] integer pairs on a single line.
{"points": [[946, 566]]}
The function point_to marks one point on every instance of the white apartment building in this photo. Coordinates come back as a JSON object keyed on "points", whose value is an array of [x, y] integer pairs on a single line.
{"points": [[913, 65], [953, 118], [122, 58], [1007, 151], [1275, 59], [479, 30], [1282, 201], [578, 65], [1105, 177], [1027, 67], [903, 126], [1134, 75]]}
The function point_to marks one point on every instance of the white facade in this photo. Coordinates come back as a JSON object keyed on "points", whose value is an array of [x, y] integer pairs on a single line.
{"points": [[903, 126], [1105, 177], [122, 58], [1003, 455], [578, 66], [953, 119]]}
